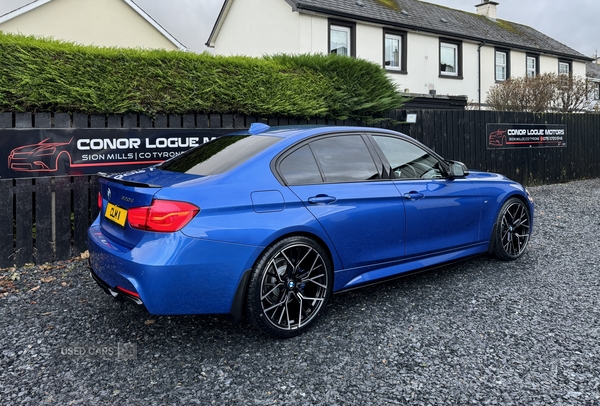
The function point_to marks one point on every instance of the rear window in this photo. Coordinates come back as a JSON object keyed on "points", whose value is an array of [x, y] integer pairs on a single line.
{"points": [[219, 155]]}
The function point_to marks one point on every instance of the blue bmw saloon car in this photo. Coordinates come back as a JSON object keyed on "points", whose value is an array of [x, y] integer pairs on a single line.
{"points": [[270, 222]]}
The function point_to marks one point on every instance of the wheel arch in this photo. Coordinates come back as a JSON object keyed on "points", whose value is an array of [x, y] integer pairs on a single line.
{"points": [[237, 306], [506, 198], [528, 205]]}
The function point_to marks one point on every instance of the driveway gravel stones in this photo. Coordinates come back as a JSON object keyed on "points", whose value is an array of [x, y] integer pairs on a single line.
{"points": [[477, 332]]}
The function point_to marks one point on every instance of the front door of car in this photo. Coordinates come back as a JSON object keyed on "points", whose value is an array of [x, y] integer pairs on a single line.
{"points": [[339, 183], [441, 213]]}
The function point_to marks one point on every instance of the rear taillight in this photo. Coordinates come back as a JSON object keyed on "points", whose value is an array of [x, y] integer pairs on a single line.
{"points": [[99, 200], [162, 215]]}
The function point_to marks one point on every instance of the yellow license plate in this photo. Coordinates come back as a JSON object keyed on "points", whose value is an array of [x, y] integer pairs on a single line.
{"points": [[116, 214]]}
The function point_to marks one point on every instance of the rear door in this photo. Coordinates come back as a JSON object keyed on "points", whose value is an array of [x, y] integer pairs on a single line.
{"points": [[340, 181], [441, 213]]}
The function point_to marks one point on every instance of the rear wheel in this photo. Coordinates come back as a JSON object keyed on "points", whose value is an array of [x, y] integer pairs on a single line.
{"points": [[513, 228], [289, 287]]}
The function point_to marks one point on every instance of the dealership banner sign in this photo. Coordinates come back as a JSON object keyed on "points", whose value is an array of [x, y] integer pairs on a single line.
{"points": [[526, 135], [86, 151]]}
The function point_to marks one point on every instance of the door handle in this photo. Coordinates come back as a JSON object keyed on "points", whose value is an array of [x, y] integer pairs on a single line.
{"points": [[321, 199], [413, 195]]}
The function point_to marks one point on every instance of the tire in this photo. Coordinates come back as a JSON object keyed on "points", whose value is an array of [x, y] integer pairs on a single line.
{"points": [[289, 287], [513, 229]]}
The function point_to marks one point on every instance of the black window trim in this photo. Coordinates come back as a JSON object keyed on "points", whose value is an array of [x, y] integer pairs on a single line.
{"points": [[459, 56], [568, 62], [388, 166], [379, 164], [537, 63], [342, 23], [403, 55], [505, 51]]}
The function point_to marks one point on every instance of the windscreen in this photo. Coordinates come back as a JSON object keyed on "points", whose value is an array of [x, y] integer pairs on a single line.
{"points": [[219, 155]]}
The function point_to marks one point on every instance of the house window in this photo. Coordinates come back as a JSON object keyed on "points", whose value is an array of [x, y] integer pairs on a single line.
{"points": [[341, 38], [531, 66], [564, 68], [450, 59], [596, 90], [501, 66], [394, 51]]}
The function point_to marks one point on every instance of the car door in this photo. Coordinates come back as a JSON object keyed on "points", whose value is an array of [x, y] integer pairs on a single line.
{"points": [[337, 179], [441, 213]]}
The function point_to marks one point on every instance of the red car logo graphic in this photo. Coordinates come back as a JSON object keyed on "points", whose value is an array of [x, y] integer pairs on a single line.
{"points": [[497, 138], [41, 157]]}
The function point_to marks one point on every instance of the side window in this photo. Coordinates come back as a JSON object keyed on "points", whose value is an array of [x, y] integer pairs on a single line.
{"points": [[344, 159], [342, 38], [408, 161], [502, 65], [450, 59], [564, 68], [532, 66], [394, 51], [300, 168]]}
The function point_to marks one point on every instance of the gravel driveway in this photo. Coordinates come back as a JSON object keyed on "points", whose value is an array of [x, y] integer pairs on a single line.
{"points": [[477, 332]]}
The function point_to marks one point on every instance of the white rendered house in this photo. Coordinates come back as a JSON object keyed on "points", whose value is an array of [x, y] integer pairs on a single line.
{"points": [[425, 48], [108, 23]]}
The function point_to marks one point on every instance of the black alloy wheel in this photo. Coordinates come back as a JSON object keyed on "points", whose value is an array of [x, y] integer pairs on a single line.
{"points": [[513, 229], [289, 286]]}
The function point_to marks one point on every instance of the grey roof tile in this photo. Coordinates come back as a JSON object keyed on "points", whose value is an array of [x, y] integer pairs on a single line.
{"points": [[592, 70], [428, 17]]}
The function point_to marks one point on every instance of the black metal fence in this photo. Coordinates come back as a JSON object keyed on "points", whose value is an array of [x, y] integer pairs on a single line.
{"points": [[45, 219]]}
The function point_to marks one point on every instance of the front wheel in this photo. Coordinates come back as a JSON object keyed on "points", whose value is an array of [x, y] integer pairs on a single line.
{"points": [[513, 228], [289, 287]]}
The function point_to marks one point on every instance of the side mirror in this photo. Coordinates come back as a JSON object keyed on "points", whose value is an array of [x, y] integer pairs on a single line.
{"points": [[458, 170]]}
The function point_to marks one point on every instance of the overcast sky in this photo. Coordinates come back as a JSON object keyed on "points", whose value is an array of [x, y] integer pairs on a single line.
{"points": [[574, 22]]}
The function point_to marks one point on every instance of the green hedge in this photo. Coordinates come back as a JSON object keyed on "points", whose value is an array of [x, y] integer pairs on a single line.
{"points": [[48, 75]]}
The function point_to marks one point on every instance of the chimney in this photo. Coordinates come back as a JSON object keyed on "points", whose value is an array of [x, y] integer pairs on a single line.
{"points": [[487, 8]]}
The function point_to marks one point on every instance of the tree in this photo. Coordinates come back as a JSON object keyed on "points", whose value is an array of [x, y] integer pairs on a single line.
{"points": [[545, 92], [572, 94]]}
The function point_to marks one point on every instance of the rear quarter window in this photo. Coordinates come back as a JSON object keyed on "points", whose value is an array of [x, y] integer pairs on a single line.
{"points": [[300, 168]]}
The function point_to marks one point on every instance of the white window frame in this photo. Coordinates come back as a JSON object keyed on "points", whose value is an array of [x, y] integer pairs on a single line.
{"points": [[347, 31], [562, 65], [398, 39], [531, 71], [501, 66], [454, 48]]}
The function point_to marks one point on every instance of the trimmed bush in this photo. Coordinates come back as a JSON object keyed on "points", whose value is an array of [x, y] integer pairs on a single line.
{"points": [[48, 75]]}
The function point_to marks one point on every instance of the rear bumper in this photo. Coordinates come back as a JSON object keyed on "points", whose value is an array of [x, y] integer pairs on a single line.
{"points": [[173, 274], [115, 291]]}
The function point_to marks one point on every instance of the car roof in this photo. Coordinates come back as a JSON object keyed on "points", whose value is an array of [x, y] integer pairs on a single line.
{"points": [[297, 132]]}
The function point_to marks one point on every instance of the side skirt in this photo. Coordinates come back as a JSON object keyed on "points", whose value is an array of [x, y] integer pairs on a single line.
{"points": [[358, 277]]}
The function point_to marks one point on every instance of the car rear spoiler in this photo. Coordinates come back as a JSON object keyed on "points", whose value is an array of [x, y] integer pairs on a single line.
{"points": [[132, 183]]}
